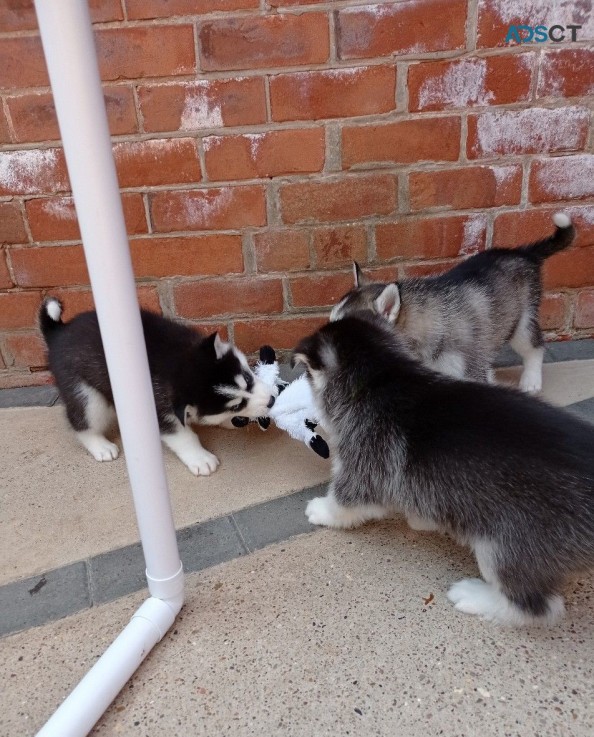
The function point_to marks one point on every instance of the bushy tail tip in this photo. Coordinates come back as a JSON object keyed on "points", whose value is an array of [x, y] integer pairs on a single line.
{"points": [[562, 220], [50, 315]]}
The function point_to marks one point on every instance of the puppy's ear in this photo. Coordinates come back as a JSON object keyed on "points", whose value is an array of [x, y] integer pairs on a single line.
{"points": [[388, 303], [360, 279], [215, 343]]}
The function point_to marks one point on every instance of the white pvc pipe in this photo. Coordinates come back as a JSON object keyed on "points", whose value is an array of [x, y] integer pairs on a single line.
{"points": [[69, 49]]}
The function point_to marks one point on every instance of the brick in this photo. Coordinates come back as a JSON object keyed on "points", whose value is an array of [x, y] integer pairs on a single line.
{"points": [[14, 379], [208, 209], [52, 266], [513, 229], [5, 136], [431, 238], [424, 139], [476, 186], [343, 199], [282, 334], [433, 268], [567, 177], [22, 63], [204, 103], [462, 83], [228, 297], [150, 163], [286, 3], [35, 171], [554, 310], [34, 115], [19, 15], [319, 290], [208, 328], [146, 9], [27, 349], [567, 73], [188, 256], [5, 279], [401, 28], [282, 250], [337, 93], [535, 130], [264, 41], [256, 155], [496, 16], [571, 268], [146, 51], [584, 310], [12, 228], [76, 301], [339, 246], [19, 310], [54, 218]]}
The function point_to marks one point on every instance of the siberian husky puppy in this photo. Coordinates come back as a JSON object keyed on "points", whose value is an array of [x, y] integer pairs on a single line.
{"points": [[195, 378], [457, 322], [502, 472]]}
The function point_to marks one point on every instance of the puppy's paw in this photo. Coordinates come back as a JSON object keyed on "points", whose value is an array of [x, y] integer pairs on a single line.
{"points": [[103, 450], [202, 462], [470, 595], [530, 382], [421, 525], [322, 511]]}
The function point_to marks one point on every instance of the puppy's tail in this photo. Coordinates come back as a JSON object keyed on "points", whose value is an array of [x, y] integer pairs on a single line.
{"points": [[561, 239], [50, 317]]}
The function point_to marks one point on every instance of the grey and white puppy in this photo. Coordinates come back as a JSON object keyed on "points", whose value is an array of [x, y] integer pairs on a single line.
{"points": [[457, 322], [502, 472]]}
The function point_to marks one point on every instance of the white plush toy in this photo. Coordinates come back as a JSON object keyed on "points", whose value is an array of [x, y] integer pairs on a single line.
{"points": [[294, 409]]}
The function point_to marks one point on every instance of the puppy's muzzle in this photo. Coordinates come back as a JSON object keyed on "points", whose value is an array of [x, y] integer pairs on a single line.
{"points": [[270, 404]]}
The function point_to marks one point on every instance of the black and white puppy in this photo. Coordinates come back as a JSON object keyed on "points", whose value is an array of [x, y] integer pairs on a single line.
{"points": [[502, 472], [195, 378]]}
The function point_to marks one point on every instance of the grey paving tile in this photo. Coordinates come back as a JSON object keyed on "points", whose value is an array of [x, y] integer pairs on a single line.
{"points": [[28, 396], [507, 357], [276, 520], [53, 595], [116, 573], [570, 350], [208, 544], [583, 409]]}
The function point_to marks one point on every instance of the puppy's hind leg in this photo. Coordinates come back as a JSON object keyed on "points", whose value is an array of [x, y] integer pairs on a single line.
{"points": [[91, 415], [527, 342]]}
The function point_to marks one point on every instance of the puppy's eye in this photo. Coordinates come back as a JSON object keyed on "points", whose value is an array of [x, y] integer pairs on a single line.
{"points": [[249, 380], [235, 408]]}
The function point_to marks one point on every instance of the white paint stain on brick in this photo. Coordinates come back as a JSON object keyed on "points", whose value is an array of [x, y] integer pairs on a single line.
{"points": [[463, 84], [584, 214], [535, 12], [568, 176], [20, 170], [199, 110], [538, 129], [255, 140], [472, 236], [61, 208], [202, 207], [503, 174]]}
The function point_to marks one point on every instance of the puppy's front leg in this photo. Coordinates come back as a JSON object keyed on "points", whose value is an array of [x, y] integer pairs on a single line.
{"points": [[186, 446], [330, 512]]}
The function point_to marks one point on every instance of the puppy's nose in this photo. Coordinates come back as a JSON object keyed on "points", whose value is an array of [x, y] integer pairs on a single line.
{"points": [[271, 402]]}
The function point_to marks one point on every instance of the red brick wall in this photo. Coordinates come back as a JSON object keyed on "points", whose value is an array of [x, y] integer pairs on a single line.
{"points": [[263, 144]]}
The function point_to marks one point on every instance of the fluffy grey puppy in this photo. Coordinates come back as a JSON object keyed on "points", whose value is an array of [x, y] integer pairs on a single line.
{"points": [[457, 322], [502, 472]]}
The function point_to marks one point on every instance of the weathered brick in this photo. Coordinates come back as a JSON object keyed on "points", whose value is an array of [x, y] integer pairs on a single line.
{"points": [[424, 139], [208, 209], [146, 51], [19, 310], [571, 268], [341, 199], [535, 130], [584, 310], [513, 229], [34, 115], [281, 334], [27, 349], [319, 290], [204, 103], [5, 136], [12, 228], [16, 378], [54, 218], [264, 41], [256, 155], [433, 268], [5, 278], [226, 296], [51, 266], [186, 256], [35, 171], [339, 246], [22, 63], [336, 93], [554, 310], [146, 9], [476, 186], [282, 250], [76, 301], [149, 163], [566, 177], [567, 73], [431, 238], [401, 28], [462, 83], [19, 15]]}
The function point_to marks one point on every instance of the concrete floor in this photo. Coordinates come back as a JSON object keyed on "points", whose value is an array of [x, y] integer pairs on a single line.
{"points": [[327, 633]]}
